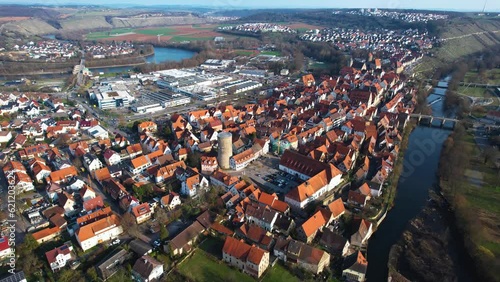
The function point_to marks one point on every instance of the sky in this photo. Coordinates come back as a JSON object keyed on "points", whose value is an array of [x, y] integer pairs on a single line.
{"points": [[452, 5]]}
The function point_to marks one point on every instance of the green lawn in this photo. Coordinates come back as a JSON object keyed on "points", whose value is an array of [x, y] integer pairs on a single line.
{"points": [[213, 246], [271, 53], [107, 34], [243, 52], [473, 91], [279, 274], [200, 267]]}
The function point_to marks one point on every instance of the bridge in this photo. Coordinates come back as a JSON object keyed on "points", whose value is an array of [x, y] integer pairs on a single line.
{"points": [[442, 120]]}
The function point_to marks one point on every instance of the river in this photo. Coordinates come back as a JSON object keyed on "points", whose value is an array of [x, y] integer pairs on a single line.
{"points": [[419, 174], [161, 55]]}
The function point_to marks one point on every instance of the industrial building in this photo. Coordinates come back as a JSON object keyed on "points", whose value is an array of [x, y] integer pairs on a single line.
{"points": [[225, 150], [150, 102], [240, 86]]}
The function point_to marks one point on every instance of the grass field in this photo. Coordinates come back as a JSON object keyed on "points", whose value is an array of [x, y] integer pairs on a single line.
{"points": [[244, 52], [271, 53], [473, 91], [489, 77], [200, 267], [278, 273], [107, 34]]}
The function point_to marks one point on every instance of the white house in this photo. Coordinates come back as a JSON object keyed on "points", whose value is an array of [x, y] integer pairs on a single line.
{"points": [[5, 136], [91, 162], [67, 202], [147, 269], [242, 160], [87, 193], [192, 185], [140, 164], [111, 157], [170, 201], [59, 257], [99, 231]]}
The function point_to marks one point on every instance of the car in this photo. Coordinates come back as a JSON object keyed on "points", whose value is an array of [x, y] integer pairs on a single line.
{"points": [[156, 243], [116, 242]]}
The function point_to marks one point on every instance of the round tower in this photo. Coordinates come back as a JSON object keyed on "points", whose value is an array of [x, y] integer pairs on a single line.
{"points": [[225, 140]]}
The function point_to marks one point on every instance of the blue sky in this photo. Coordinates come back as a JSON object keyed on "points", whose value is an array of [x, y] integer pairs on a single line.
{"points": [[456, 5]]}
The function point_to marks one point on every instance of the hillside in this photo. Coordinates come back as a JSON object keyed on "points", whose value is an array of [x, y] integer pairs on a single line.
{"points": [[46, 21], [461, 37]]}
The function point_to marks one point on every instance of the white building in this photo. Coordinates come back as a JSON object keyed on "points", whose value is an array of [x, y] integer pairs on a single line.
{"points": [[147, 269], [98, 132], [5, 136], [99, 231], [113, 99], [91, 162], [59, 257], [192, 185]]}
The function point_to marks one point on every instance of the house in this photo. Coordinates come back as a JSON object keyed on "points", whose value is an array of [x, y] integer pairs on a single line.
{"points": [[337, 208], [264, 217], [140, 164], [304, 256], [183, 242], [142, 212], [363, 232], [59, 257], [66, 202], [47, 234], [250, 259], [112, 263], [334, 242], [192, 185], [87, 193], [111, 157], [91, 162], [147, 126], [167, 172], [354, 267], [140, 247], [62, 175], [256, 235], [170, 201], [134, 150], [241, 160], [208, 164], [5, 136], [93, 204], [98, 132], [99, 231], [40, 171], [17, 277], [147, 269], [5, 249], [308, 230]]}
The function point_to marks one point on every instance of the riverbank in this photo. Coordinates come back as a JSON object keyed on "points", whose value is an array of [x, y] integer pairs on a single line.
{"points": [[429, 249], [470, 181]]}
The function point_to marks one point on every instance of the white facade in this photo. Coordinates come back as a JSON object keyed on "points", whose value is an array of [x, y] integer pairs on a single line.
{"points": [[5, 136], [101, 236], [114, 159]]}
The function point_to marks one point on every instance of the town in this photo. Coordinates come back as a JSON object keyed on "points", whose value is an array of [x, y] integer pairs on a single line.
{"points": [[301, 164]]}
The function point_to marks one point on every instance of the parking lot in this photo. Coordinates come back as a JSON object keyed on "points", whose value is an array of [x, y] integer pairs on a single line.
{"points": [[266, 174]]}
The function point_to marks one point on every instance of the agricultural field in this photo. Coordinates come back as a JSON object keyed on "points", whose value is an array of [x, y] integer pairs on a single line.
{"points": [[170, 33]]}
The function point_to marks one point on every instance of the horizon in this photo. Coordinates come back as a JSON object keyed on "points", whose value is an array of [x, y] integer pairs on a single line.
{"points": [[427, 5]]}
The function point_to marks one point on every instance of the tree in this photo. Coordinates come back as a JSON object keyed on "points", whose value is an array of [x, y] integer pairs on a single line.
{"points": [[70, 276], [77, 162], [130, 226], [161, 215], [92, 274], [163, 232]]}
